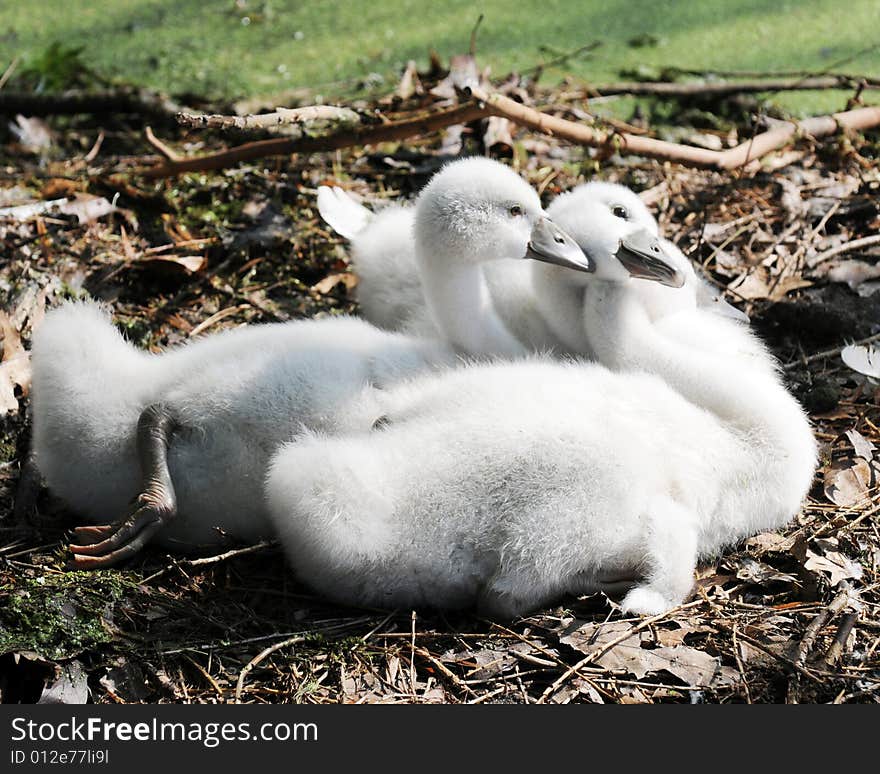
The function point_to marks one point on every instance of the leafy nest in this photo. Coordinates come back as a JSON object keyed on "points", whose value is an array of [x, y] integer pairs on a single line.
{"points": [[790, 617]]}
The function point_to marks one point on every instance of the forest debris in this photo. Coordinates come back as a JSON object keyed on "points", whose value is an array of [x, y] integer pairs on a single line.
{"points": [[126, 682], [344, 138], [838, 566], [753, 148], [847, 247], [70, 685], [842, 642], [409, 81], [15, 367], [752, 286], [852, 472], [483, 103], [852, 273], [344, 278], [497, 133], [718, 89], [24, 212], [138, 101], [770, 541], [33, 134], [694, 667], [753, 571], [189, 263], [87, 208], [60, 187], [280, 117]]}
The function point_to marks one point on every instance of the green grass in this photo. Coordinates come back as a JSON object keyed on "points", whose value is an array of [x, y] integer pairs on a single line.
{"points": [[208, 48]]}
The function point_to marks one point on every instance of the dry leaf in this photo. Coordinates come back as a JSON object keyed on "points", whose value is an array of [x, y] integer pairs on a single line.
{"points": [[694, 667], [57, 187], [770, 541], [191, 263], [462, 72], [70, 686], [329, 282], [836, 564], [409, 81], [754, 287], [852, 471], [33, 134], [15, 367], [861, 445], [87, 208], [497, 133], [853, 273], [753, 571]]}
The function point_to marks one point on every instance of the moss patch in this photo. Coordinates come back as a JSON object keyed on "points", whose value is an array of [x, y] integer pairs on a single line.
{"points": [[59, 615]]}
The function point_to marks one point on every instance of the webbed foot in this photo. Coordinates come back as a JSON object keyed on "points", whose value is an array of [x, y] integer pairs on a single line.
{"points": [[109, 544]]}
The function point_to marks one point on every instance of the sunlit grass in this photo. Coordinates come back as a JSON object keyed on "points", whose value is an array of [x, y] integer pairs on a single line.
{"points": [[223, 48]]}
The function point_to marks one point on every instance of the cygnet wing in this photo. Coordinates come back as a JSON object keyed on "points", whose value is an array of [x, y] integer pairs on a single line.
{"points": [[342, 213]]}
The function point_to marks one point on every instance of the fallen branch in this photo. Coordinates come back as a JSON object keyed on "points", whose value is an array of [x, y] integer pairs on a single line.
{"points": [[72, 102], [758, 146], [723, 88], [819, 622], [828, 353], [239, 685], [838, 645], [281, 117], [486, 104], [846, 247], [359, 135]]}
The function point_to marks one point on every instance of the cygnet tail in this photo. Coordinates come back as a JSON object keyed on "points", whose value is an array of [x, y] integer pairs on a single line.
{"points": [[87, 392], [86, 378], [77, 349], [342, 213]]}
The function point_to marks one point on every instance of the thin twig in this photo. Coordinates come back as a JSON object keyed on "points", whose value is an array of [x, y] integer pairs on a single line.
{"points": [[828, 353], [819, 622], [212, 559], [590, 657], [168, 152], [9, 71], [764, 649], [846, 247], [445, 671], [239, 686]]}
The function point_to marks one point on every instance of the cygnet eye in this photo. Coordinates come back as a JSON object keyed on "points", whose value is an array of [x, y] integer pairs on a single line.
{"points": [[516, 211], [619, 211]]}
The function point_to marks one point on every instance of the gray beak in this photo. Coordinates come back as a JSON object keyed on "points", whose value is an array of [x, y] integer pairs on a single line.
{"points": [[643, 256], [551, 244], [707, 298]]}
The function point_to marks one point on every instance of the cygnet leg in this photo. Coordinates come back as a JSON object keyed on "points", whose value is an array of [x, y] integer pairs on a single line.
{"points": [[156, 505], [670, 560]]}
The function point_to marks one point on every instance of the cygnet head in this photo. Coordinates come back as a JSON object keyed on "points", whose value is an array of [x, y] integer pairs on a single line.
{"points": [[478, 210], [617, 233]]}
